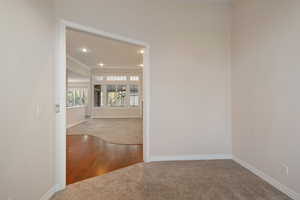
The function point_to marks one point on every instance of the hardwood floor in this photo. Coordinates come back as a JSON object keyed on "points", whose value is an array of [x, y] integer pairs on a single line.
{"points": [[112, 130], [89, 156]]}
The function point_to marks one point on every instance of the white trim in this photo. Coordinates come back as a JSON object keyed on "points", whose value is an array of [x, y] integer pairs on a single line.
{"points": [[116, 107], [78, 62], [114, 67], [49, 193], [146, 104], [115, 117], [60, 93], [77, 123], [192, 157], [60, 101], [125, 69], [74, 107], [78, 82], [294, 195], [103, 33]]}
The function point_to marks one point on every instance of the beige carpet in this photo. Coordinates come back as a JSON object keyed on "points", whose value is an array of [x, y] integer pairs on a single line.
{"points": [[180, 180], [117, 131]]}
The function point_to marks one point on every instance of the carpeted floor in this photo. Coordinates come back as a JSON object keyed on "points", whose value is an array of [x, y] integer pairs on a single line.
{"points": [[117, 131], [178, 180]]}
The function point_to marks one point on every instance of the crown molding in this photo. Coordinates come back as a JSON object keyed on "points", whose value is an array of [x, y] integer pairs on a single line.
{"points": [[78, 62]]}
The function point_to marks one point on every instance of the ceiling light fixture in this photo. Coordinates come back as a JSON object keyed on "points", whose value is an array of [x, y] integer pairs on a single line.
{"points": [[142, 51], [141, 65], [101, 64], [84, 50]]}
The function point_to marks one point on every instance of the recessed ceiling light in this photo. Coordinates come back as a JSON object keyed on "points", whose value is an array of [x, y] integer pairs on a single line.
{"points": [[101, 64], [142, 51], [84, 50]]}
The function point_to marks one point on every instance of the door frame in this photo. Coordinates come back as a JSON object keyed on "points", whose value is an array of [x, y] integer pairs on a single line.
{"points": [[60, 94]]}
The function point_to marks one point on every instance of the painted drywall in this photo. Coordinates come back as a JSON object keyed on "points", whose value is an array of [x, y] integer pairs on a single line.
{"points": [[78, 76], [27, 108], [115, 112], [76, 115], [77, 67], [190, 59], [265, 85]]}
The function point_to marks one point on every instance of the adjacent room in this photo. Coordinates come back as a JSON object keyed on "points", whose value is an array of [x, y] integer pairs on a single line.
{"points": [[150, 100], [104, 104]]}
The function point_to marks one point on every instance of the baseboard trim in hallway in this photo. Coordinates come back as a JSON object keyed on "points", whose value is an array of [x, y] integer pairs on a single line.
{"points": [[77, 123], [291, 193], [50, 193], [191, 157]]}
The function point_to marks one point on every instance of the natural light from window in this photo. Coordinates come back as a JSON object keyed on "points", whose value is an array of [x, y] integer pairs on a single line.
{"points": [[134, 78], [116, 78]]}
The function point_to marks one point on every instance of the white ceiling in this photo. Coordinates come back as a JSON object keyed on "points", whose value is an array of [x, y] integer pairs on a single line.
{"points": [[113, 53]]}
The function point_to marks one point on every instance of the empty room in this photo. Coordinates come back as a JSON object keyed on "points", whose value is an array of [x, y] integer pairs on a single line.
{"points": [[150, 100]]}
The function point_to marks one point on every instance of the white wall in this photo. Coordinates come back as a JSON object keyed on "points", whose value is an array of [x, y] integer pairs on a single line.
{"points": [[265, 87], [78, 76], [78, 67], [76, 115], [116, 112], [190, 51], [27, 108]]}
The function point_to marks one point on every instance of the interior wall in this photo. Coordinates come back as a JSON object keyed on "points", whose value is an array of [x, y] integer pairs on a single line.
{"points": [[190, 60], [265, 85], [78, 67], [27, 108], [77, 114]]}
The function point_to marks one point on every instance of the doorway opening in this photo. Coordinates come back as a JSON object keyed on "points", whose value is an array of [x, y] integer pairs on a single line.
{"points": [[104, 122]]}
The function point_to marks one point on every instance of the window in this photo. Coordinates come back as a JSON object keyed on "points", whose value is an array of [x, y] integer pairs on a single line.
{"points": [[76, 97], [134, 95], [134, 78], [70, 98], [116, 78], [117, 89], [116, 95], [99, 78]]}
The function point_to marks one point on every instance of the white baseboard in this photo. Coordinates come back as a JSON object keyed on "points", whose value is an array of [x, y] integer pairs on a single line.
{"points": [[292, 194], [114, 117], [49, 193], [191, 157], [77, 123]]}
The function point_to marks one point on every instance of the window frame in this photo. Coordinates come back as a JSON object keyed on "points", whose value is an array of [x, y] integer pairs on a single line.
{"points": [[137, 94]]}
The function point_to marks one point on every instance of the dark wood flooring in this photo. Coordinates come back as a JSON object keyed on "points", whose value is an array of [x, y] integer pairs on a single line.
{"points": [[89, 156]]}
